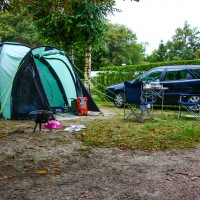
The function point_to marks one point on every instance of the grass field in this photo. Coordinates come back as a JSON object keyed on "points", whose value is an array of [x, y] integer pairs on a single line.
{"points": [[164, 132]]}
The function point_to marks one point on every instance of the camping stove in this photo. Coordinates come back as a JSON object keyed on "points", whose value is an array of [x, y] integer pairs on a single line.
{"points": [[41, 116]]}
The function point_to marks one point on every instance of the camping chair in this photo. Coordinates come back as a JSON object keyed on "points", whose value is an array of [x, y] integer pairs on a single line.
{"points": [[138, 104], [192, 108]]}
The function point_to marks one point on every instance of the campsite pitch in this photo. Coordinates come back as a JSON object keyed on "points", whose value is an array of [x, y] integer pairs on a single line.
{"points": [[54, 165]]}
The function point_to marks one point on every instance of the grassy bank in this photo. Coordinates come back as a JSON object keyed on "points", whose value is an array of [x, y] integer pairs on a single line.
{"points": [[164, 132]]}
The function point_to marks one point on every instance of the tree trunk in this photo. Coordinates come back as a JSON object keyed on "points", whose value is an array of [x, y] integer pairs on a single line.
{"points": [[87, 68]]}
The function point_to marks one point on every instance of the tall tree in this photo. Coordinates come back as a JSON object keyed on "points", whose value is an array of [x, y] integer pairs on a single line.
{"points": [[185, 42], [120, 47], [185, 45], [90, 22], [160, 54]]}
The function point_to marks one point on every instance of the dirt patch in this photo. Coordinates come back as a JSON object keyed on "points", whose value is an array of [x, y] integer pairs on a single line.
{"points": [[54, 165]]}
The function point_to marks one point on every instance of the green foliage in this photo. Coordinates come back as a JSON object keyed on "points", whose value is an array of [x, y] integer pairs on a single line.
{"points": [[107, 78], [185, 42], [158, 55], [147, 66], [82, 24], [17, 27], [119, 47]]}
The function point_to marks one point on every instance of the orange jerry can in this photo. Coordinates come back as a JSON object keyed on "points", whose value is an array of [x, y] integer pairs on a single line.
{"points": [[82, 104]]}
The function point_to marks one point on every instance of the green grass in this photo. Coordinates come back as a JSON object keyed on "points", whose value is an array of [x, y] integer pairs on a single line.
{"points": [[164, 132], [100, 101]]}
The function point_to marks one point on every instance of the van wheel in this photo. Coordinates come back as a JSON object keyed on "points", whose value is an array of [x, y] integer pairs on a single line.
{"points": [[194, 99], [119, 100]]}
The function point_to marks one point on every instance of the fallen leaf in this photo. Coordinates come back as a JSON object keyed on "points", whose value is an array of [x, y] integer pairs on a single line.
{"points": [[57, 172], [42, 172], [45, 168], [50, 180], [9, 165], [162, 181], [5, 177], [42, 145], [194, 178], [26, 165]]}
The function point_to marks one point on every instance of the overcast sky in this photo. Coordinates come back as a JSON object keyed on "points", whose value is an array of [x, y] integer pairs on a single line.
{"points": [[155, 20]]}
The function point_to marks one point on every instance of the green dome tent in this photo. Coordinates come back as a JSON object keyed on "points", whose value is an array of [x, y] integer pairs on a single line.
{"points": [[37, 79]]}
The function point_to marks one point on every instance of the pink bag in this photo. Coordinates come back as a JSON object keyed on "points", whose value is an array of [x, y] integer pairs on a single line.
{"points": [[53, 124]]}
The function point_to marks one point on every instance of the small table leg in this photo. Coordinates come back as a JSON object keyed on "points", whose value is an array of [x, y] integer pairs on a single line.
{"points": [[35, 127], [40, 126]]}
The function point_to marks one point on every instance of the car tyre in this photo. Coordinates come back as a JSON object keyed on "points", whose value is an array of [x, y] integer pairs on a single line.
{"points": [[194, 99], [119, 100]]}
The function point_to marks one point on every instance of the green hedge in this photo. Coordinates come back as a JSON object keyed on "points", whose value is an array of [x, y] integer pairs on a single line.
{"points": [[116, 74], [148, 66]]}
